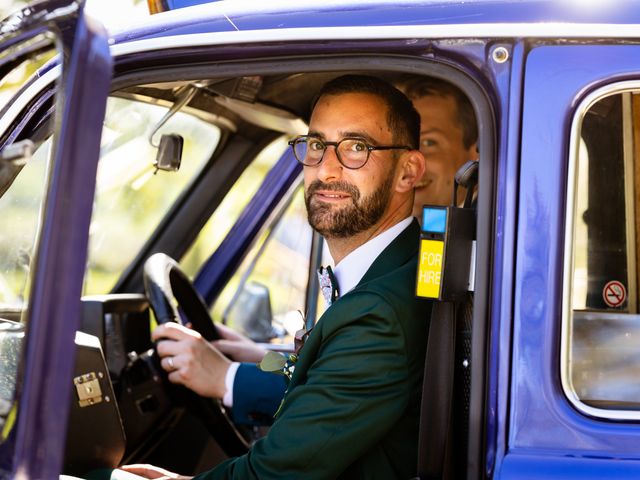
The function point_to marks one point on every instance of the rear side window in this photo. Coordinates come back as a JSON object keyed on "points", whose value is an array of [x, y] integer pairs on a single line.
{"points": [[601, 347]]}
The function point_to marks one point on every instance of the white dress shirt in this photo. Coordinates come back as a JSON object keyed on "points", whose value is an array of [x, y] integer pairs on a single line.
{"points": [[352, 268], [348, 273]]}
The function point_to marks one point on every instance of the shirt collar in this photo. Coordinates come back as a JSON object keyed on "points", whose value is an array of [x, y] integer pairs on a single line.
{"points": [[352, 268]]}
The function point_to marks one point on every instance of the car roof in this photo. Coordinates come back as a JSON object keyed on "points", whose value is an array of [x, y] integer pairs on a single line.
{"points": [[468, 18]]}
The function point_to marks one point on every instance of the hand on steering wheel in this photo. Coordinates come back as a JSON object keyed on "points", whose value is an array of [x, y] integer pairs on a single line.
{"points": [[167, 286], [190, 360]]}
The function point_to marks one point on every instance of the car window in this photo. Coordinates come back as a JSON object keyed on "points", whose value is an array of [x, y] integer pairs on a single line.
{"points": [[24, 182], [22, 192], [20, 209], [131, 196], [271, 283], [602, 341], [234, 202], [266, 297]]}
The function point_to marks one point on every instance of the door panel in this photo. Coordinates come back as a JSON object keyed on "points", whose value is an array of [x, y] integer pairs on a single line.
{"points": [[542, 420]]}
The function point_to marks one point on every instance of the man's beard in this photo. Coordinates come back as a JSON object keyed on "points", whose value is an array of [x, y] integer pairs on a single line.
{"points": [[339, 222]]}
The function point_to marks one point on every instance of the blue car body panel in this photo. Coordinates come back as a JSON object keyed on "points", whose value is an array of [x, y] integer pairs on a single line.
{"points": [[212, 17], [542, 418]]}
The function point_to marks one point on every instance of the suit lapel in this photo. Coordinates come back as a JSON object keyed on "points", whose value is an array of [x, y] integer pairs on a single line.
{"points": [[397, 253], [401, 250]]}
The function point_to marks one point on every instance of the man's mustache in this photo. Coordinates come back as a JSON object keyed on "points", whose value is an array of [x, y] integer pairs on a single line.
{"points": [[339, 186]]}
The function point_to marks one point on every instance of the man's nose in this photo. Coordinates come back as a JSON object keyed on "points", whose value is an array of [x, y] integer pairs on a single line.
{"points": [[330, 168]]}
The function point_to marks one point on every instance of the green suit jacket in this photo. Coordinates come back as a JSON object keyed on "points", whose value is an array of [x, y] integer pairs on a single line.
{"points": [[352, 407]]}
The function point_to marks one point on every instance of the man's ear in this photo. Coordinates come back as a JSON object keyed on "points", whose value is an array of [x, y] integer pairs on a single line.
{"points": [[411, 168], [473, 152]]}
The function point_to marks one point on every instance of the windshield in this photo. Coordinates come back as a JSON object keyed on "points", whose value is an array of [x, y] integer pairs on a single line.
{"points": [[132, 196]]}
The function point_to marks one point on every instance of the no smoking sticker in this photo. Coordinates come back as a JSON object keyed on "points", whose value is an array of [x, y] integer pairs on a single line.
{"points": [[614, 293]]}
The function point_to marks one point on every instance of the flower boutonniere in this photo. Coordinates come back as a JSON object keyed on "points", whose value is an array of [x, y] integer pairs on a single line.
{"points": [[280, 364]]}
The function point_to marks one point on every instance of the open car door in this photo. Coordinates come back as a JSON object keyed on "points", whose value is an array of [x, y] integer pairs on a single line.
{"points": [[55, 71]]}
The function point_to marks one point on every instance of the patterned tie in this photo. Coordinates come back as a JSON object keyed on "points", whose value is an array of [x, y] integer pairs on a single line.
{"points": [[328, 285]]}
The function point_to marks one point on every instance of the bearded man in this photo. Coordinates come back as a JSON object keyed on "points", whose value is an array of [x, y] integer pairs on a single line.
{"points": [[352, 406]]}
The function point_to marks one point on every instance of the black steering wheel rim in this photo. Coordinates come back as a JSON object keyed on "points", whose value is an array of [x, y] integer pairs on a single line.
{"points": [[167, 287]]}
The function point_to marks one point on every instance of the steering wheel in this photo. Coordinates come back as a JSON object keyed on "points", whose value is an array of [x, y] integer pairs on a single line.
{"points": [[166, 286]]}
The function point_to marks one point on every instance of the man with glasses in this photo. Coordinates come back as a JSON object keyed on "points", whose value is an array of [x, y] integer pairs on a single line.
{"points": [[448, 138], [352, 404]]}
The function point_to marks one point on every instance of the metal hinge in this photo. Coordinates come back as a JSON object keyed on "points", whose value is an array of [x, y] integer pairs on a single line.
{"points": [[88, 388]]}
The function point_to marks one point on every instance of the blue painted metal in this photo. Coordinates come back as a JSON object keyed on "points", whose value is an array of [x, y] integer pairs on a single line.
{"points": [[54, 311], [219, 268], [229, 15], [541, 419], [29, 21], [548, 467], [508, 81], [175, 4]]}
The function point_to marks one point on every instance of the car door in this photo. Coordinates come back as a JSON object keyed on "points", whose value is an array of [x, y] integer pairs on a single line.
{"points": [[573, 409], [49, 43]]}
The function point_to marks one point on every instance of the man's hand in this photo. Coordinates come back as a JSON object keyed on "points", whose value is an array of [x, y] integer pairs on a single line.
{"points": [[190, 360], [238, 347], [149, 471]]}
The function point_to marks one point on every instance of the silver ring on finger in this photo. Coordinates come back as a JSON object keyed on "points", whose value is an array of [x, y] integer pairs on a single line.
{"points": [[170, 362]]}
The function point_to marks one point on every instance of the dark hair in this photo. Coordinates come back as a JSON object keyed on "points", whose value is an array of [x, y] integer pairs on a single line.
{"points": [[402, 117], [418, 87]]}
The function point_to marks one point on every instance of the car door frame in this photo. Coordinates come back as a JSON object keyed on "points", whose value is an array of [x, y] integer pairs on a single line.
{"points": [[54, 309], [488, 92], [543, 433]]}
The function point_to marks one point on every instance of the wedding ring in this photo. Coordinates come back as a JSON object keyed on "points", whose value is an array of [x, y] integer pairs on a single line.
{"points": [[170, 362]]}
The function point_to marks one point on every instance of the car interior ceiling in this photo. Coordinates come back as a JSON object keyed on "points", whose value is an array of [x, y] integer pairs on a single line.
{"points": [[289, 96]]}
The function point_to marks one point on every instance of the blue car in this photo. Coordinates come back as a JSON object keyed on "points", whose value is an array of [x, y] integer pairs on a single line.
{"points": [[150, 169]]}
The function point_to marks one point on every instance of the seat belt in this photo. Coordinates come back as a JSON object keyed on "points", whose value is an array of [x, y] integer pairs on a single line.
{"points": [[435, 437], [437, 392]]}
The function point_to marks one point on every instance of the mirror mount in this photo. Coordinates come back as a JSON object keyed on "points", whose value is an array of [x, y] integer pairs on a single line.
{"points": [[169, 147]]}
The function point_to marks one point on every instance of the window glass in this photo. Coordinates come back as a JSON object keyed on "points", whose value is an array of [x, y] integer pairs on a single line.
{"points": [[604, 333], [21, 209], [131, 197], [231, 207], [266, 297], [24, 180], [23, 184]]}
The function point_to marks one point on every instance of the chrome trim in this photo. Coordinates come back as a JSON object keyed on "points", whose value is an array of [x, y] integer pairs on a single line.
{"points": [[630, 202], [25, 98], [567, 317], [409, 32]]}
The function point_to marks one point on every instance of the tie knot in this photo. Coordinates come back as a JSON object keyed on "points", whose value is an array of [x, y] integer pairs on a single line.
{"points": [[328, 284]]}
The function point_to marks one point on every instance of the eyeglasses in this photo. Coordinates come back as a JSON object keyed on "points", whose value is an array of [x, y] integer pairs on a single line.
{"points": [[352, 153]]}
